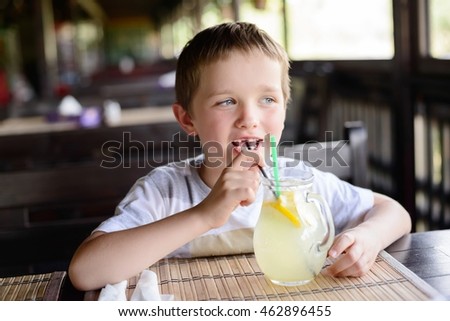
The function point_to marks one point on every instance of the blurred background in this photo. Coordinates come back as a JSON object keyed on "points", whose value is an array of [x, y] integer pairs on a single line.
{"points": [[383, 62]]}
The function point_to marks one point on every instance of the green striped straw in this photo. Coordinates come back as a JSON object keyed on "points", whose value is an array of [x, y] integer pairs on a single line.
{"points": [[276, 175]]}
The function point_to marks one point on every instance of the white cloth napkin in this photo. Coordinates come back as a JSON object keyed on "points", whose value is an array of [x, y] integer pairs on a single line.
{"points": [[114, 292], [147, 289]]}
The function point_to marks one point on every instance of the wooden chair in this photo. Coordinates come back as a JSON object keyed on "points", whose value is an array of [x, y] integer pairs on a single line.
{"points": [[347, 159]]}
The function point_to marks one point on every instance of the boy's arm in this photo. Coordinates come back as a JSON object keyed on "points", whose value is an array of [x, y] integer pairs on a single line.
{"points": [[354, 250], [112, 257]]}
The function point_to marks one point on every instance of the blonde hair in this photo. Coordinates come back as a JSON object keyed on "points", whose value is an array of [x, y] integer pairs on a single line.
{"points": [[217, 42]]}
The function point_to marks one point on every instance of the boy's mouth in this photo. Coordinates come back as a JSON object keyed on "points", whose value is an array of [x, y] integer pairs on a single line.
{"points": [[250, 144]]}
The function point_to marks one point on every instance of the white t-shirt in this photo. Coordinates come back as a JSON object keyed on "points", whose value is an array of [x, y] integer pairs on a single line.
{"points": [[177, 186]]}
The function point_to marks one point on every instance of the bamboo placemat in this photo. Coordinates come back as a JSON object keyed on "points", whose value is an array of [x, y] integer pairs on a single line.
{"points": [[34, 287], [238, 277]]}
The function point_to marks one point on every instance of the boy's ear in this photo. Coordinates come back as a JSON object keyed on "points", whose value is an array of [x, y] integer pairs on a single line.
{"points": [[183, 118]]}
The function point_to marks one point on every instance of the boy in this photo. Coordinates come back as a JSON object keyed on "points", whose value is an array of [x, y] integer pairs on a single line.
{"points": [[232, 87]]}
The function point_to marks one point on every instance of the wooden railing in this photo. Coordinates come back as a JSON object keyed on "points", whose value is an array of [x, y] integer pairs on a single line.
{"points": [[432, 155], [355, 91]]}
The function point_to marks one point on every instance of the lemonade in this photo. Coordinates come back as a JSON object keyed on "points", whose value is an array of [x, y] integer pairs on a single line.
{"points": [[291, 253]]}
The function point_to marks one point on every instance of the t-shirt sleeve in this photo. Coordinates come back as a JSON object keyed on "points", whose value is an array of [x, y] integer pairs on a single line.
{"points": [[348, 203], [142, 205]]}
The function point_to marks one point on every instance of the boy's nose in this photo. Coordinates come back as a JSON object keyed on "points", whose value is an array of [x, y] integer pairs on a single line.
{"points": [[248, 118]]}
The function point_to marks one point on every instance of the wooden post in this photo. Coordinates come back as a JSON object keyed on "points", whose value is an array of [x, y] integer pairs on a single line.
{"points": [[403, 105]]}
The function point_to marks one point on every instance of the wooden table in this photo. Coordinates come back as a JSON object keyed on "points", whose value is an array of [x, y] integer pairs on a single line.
{"points": [[427, 254], [39, 124], [239, 278]]}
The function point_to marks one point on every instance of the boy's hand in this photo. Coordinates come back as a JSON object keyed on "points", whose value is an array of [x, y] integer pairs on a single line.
{"points": [[237, 185], [353, 253]]}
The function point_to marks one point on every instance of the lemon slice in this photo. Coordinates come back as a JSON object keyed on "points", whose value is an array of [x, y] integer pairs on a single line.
{"points": [[286, 212]]}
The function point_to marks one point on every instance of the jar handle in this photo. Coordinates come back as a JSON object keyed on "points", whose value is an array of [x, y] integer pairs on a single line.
{"points": [[326, 218]]}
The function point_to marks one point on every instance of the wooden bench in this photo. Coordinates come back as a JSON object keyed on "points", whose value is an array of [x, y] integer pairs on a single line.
{"points": [[57, 187], [44, 214]]}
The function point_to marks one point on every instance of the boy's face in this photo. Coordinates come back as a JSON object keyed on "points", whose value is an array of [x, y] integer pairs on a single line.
{"points": [[239, 101]]}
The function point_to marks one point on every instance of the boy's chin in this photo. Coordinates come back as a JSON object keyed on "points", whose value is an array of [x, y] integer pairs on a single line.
{"points": [[256, 154]]}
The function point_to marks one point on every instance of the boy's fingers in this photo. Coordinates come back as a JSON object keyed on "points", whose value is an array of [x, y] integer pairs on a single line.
{"points": [[244, 160], [341, 243]]}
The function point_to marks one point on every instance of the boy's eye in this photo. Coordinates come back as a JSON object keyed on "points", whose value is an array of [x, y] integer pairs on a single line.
{"points": [[268, 100], [226, 102]]}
